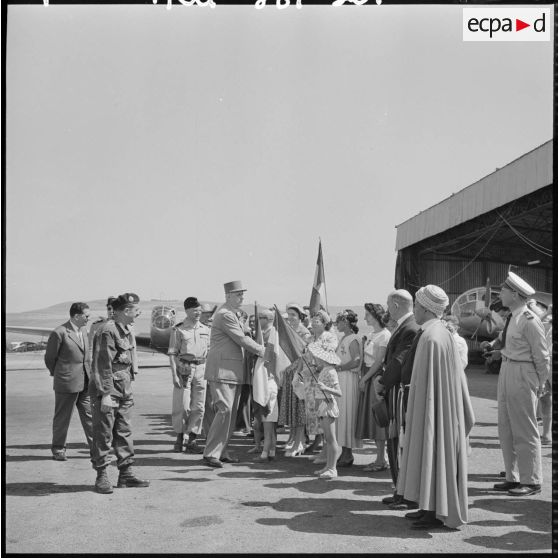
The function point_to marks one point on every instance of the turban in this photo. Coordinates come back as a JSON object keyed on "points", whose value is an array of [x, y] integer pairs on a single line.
{"points": [[433, 298]]}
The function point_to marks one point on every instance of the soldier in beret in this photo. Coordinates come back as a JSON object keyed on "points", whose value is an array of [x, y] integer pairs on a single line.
{"points": [[114, 363], [188, 346], [525, 369], [100, 321]]}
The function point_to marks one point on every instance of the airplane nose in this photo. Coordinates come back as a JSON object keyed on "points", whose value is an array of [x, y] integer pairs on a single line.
{"points": [[163, 317]]}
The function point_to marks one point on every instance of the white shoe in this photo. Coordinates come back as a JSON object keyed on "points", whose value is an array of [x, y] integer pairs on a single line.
{"points": [[263, 456], [320, 471], [296, 450], [329, 474]]}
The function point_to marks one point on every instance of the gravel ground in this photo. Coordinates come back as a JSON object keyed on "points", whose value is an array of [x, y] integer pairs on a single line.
{"points": [[243, 508]]}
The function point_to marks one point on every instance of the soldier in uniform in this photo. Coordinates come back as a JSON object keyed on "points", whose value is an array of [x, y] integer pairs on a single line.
{"points": [[525, 369], [207, 311], [225, 373], [188, 346], [114, 364], [99, 322]]}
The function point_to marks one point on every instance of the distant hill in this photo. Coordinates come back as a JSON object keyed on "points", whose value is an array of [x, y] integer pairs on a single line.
{"points": [[54, 315]]}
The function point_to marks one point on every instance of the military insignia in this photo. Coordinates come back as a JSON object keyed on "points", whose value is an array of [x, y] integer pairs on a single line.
{"points": [[130, 298], [528, 315]]}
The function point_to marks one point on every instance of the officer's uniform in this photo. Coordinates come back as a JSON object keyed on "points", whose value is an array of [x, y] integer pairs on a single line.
{"points": [[114, 358], [189, 344], [525, 368]]}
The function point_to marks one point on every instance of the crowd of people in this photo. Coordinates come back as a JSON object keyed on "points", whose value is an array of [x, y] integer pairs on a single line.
{"points": [[402, 386]]}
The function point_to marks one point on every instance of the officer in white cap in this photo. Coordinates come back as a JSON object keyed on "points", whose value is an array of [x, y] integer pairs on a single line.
{"points": [[525, 369]]}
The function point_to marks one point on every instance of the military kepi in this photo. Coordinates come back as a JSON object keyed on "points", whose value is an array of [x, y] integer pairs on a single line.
{"points": [[515, 283], [125, 300], [234, 287]]}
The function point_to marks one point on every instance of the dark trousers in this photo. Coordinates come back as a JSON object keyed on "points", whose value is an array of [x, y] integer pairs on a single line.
{"points": [[64, 404], [113, 429], [392, 445]]}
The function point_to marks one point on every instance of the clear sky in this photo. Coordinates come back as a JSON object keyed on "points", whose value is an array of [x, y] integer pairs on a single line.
{"points": [[166, 152]]}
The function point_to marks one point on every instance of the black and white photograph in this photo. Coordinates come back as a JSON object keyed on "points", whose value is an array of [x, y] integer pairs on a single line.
{"points": [[277, 277]]}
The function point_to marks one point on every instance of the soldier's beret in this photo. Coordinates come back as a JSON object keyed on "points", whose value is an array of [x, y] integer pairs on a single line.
{"points": [[191, 302], [125, 300]]}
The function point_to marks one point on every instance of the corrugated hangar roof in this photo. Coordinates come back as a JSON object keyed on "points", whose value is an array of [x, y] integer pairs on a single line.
{"points": [[528, 173]]}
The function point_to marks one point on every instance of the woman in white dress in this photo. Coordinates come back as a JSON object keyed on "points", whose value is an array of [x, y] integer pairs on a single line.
{"points": [[349, 351]]}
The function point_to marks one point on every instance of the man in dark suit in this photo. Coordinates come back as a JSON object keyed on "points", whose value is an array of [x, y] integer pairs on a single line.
{"points": [[67, 359], [400, 308], [224, 371]]}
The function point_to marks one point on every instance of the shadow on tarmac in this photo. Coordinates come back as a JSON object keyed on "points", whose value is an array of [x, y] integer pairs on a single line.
{"points": [[492, 477], [495, 445], [44, 488], [524, 513], [159, 424], [333, 516], [46, 453]]}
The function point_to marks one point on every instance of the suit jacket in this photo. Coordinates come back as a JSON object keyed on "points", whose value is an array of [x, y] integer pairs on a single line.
{"points": [[226, 348], [398, 346], [67, 360]]}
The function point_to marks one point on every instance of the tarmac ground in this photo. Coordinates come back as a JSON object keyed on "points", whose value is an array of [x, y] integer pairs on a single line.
{"points": [[249, 507]]}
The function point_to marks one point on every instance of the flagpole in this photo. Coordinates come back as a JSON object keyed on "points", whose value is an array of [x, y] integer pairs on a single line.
{"points": [[325, 287], [305, 362]]}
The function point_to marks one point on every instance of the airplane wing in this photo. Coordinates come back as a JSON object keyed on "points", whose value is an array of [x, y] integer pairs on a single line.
{"points": [[143, 343], [143, 340], [43, 331]]}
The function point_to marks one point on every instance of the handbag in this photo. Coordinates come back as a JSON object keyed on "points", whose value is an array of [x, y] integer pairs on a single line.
{"points": [[380, 412]]}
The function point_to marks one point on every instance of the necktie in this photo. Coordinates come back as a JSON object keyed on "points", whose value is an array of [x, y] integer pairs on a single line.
{"points": [[505, 330]]}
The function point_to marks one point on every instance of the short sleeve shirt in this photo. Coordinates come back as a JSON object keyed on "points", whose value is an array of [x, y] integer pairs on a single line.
{"points": [[189, 339]]}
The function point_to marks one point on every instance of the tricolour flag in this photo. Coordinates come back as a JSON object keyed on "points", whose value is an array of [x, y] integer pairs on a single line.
{"points": [[291, 343], [317, 298], [259, 377], [281, 350]]}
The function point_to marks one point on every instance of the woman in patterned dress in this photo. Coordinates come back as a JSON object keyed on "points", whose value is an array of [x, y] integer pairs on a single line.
{"points": [[291, 409], [321, 324]]}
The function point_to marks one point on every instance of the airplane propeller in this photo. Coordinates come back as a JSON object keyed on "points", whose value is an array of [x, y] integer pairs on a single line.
{"points": [[485, 313]]}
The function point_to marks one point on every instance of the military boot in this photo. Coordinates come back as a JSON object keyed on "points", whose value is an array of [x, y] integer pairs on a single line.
{"points": [[102, 483], [127, 479]]}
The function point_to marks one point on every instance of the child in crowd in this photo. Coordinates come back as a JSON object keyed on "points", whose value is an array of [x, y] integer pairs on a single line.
{"points": [[269, 421], [323, 352]]}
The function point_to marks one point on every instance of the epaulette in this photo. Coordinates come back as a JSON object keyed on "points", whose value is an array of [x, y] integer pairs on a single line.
{"points": [[528, 315], [176, 326]]}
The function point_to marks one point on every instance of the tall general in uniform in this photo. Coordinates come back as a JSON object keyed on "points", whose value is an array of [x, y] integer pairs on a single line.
{"points": [[224, 372]]}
